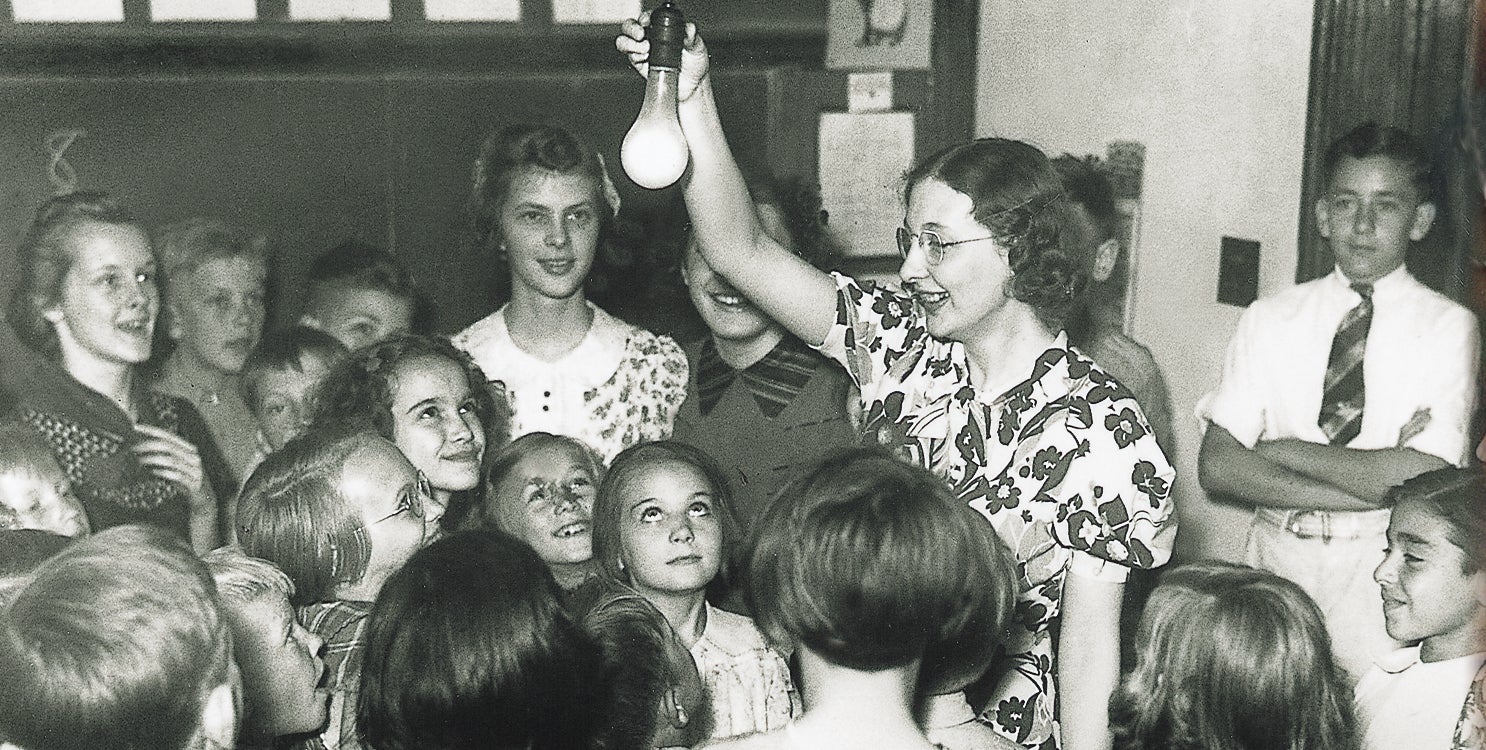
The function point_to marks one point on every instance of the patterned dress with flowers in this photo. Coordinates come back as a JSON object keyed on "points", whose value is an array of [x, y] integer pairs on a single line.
{"points": [[1062, 465], [620, 386]]}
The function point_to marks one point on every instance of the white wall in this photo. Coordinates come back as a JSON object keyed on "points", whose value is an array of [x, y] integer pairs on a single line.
{"points": [[1216, 90]]}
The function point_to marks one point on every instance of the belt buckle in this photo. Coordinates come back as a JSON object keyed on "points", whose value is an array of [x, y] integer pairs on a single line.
{"points": [[1296, 524]]}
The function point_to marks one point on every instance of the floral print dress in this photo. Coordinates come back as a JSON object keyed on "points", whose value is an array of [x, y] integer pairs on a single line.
{"points": [[620, 386], [1063, 466]]}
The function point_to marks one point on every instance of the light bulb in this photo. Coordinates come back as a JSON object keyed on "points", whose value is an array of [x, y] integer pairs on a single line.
{"points": [[654, 152]]}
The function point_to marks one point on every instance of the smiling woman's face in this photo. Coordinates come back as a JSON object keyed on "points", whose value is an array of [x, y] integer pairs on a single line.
{"points": [[546, 500]]}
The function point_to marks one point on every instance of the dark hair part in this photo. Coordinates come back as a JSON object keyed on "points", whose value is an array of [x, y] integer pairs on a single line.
{"points": [[1019, 199], [357, 392], [117, 642], [285, 349], [359, 265], [482, 512], [293, 514], [1454, 496], [1232, 658], [871, 563], [609, 506], [46, 257], [1371, 139], [468, 646]]}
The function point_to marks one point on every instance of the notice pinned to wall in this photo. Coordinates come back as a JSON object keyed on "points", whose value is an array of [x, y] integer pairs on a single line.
{"points": [[863, 157], [594, 11], [196, 10], [340, 10], [472, 10], [67, 11]]}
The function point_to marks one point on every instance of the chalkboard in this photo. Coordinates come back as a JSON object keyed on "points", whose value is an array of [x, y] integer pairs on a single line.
{"points": [[313, 160]]}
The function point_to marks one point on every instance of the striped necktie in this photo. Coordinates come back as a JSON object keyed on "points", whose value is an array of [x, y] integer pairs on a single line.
{"points": [[1345, 393]]}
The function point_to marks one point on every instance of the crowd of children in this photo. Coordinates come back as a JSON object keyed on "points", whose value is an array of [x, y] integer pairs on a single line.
{"points": [[353, 533]]}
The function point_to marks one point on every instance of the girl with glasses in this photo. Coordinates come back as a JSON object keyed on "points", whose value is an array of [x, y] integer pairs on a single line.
{"points": [[425, 396], [965, 369]]}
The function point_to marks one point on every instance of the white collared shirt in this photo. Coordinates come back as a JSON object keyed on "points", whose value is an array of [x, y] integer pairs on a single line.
{"points": [[620, 385], [1403, 702], [1421, 358]]}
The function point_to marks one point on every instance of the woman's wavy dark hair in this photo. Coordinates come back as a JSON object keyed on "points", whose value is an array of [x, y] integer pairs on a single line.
{"points": [[357, 393], [1020, 200], [468, 645], [46, 256], [1232, 658]]}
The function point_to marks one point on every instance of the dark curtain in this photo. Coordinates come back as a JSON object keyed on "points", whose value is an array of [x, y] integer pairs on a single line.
{"points": [[1401, 63]]}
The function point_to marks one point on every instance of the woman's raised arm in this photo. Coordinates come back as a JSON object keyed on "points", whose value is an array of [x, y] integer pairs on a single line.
{"points": [[728, 233]]}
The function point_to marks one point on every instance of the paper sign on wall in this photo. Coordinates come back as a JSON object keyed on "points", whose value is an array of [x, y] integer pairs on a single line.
{"points": [[67, 11], [594, 11], [863, 157], [472, 10], [203, 10], [340, 10]]}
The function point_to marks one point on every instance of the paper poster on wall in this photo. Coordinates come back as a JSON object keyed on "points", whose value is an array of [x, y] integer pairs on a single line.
{"points": [[879, 34], [203, 10], [472, 10], [863, 157], [340, 10], [594, 11], [67, 11]]}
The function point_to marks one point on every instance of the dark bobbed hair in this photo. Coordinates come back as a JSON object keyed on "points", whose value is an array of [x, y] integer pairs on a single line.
{"points": [[357, 392], [467, 513], [1232, 658], [293, 514], [609, 506], [1372, 139], [1454, 496], [360, 265], [1088, 187], [468, 646], [1018, 198], [116, 642], [45, 257], [648, 667], [871, 563], [285, 349]]}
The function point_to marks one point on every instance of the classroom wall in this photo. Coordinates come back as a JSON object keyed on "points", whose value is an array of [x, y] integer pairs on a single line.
{"points": [[1217, 93]]}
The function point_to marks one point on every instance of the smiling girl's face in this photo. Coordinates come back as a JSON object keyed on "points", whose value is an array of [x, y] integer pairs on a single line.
{"points": [[670, 536], [434, 422], [106, 309], [550, 231], [546, 500]]}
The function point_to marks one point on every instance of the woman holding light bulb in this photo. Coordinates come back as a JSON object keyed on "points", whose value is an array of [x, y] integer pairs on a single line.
{"points": [[966, 371], [542, 202]]}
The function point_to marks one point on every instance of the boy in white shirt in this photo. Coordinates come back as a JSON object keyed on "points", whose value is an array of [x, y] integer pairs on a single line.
{"points": [[1434, 595]]}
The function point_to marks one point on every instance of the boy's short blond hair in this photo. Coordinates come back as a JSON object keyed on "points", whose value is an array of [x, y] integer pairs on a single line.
{"points": [[116, 642], [243, 580]]}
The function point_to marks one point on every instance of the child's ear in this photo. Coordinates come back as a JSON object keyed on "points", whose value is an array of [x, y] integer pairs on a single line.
{"points": [[1478, 587], [219, 716], [1424, 215], [1105, 257]]}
